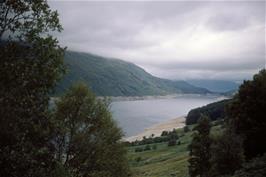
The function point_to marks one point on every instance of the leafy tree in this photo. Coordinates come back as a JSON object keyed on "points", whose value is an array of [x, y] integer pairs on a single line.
{"points": [[226, 154], [26, 20], [199, 162], [88, 140], [247, 114], [31, 63]]}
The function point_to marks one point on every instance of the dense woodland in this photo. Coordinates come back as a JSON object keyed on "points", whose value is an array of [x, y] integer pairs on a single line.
{"points": [[78, 137], [215, 111]]}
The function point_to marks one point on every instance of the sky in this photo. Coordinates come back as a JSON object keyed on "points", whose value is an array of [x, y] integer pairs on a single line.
{"points": [[222, 40]]}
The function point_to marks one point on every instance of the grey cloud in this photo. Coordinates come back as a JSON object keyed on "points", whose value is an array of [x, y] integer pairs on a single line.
{"points": [[142, 33], [227, 64]]}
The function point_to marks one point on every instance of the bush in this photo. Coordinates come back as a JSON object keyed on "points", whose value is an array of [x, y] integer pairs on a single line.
{"points": [[186, 129], [147, 148], [138, 159], [172, 142], [138, 149]]}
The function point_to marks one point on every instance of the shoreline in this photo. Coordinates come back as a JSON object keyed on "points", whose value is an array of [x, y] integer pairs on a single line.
{"points": [[152, 97], [157, 129]]}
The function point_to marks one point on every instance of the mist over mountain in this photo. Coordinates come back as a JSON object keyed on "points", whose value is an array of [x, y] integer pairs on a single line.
{"points": [[114, 77]]}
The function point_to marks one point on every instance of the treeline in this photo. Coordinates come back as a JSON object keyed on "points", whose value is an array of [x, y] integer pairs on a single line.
{"points": [[239, 150], [215, 111], [78, 136]]}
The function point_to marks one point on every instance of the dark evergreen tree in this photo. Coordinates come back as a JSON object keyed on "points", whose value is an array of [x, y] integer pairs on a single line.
{"points": [[247, 114], [199, 162]]}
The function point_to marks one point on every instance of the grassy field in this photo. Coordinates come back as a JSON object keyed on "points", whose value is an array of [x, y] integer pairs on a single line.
{"points": [[164, 161]]}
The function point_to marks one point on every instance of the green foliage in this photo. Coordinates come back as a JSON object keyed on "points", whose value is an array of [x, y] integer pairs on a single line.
{"points": [[147, 148], [172, 142], [215, 111], [226, 154], [254, 168], [186, 129], [113, 77], [31, 63], [247, 114], [25, 20], [154, 146], [199, 161], [88, 142]]}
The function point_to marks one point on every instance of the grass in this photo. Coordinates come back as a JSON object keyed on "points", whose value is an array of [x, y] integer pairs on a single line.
{"points": [[164, 161]]}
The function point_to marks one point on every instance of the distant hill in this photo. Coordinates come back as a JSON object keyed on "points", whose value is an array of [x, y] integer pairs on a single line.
{"points": [[215, 111], [220, 86], [113, 77]]}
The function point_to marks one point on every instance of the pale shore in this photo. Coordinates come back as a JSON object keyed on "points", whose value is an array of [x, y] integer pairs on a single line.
{"points": [[157, 129]]}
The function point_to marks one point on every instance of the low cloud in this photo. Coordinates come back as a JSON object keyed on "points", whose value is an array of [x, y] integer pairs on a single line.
{"points": [[223, 40]]}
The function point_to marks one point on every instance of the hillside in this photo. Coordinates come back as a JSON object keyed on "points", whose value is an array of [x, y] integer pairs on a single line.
{"points": [[215, 111], [221, 86], [163, 160], [113, 77]]}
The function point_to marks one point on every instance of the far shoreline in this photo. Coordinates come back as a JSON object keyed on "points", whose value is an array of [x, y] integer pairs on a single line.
{"points": [[153, 97]]}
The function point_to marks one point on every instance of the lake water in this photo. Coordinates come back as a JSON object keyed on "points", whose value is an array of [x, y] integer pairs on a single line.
{"points": [[134, 116]]}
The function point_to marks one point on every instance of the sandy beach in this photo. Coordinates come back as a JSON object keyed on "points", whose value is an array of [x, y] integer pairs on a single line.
{"points": [[157, 129]]}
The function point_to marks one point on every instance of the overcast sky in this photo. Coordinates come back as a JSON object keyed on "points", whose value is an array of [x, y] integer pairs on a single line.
{"points": [[176, 40]]}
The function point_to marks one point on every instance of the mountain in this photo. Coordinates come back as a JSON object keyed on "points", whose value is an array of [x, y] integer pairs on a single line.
{"points": [[220, 86], [114, 77]]}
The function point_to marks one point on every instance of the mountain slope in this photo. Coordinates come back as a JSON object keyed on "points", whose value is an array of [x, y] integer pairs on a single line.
{"points": [[113, 77], [215, 85]]}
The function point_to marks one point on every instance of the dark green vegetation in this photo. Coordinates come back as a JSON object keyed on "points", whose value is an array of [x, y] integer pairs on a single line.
{"points": [[256, 167], [29, 70], [219, 86], [215, 111], [241, 140], [78, 138], [247, 114], [113, 77], [200, 149], [88, 140]]}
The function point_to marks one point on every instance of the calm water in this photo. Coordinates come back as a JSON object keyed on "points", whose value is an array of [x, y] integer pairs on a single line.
{"points": [[135, 116]]}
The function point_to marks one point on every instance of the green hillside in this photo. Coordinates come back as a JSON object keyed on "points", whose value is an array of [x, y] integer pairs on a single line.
{"points": [[113, 77], [164, 160], [215, 111]]}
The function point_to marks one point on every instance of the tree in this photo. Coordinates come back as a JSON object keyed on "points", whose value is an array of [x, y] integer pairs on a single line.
{"points": [[247, 114], [199, 162], [227, 154], [31, 63], [88, 140], [24, 20]]}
